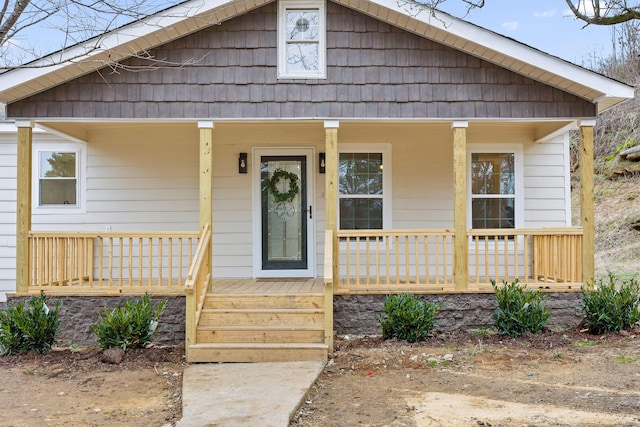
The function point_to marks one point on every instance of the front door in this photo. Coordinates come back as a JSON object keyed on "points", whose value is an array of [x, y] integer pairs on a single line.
{"points": [[284, 207]]}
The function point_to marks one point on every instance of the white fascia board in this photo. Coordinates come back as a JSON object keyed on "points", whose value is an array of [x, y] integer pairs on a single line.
{"points": [[9, 126], [489, 40], [85, 57]]}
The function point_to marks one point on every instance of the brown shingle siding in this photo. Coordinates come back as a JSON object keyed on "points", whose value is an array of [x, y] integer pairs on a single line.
{"points": [[374, 70]]}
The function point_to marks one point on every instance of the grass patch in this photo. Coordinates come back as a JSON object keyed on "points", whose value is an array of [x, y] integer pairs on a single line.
{"points": [[451, 347], [585, 343], [481, 331], [33, 372], [626, 359]]}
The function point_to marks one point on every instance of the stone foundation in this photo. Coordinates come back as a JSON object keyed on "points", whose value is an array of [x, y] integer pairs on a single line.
{"points": [[77, 314], [353, 314], [359, 314]]}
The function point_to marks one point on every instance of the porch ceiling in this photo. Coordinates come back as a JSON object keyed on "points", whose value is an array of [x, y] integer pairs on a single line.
{"points": [[80, 130]]}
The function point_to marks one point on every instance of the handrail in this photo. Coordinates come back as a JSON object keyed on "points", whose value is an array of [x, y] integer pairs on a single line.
{"points": [[113, 234], [547, 231], [205, 239], [196, 286]]}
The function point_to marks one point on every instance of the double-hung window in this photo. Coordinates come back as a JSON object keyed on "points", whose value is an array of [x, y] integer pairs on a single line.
{"points": [[364, 190], [301, 39], [58, 181], [494, 187]]}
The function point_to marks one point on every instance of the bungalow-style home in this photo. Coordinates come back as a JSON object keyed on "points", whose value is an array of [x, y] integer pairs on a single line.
{"points": [[281, 166]]}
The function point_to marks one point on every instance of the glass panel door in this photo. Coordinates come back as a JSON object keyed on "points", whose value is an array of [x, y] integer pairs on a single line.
{"points": [[283, 184]]}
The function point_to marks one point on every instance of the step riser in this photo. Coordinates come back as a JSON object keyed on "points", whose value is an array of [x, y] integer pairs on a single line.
{"points": [[212, 319], [260, 301], [259, 328], [210, 355], [261, 336]]}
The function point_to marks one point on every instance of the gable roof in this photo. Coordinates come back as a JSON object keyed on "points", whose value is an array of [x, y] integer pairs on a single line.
{"points": [[193, 15]]}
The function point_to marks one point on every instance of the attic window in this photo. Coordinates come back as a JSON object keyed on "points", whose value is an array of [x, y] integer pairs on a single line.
{"points": [[301, 39]]}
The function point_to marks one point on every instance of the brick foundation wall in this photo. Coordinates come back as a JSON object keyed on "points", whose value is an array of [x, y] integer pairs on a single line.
{"points": [[358, 314]]}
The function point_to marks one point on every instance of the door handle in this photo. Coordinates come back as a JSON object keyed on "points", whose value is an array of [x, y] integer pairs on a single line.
{"points": [[310, 212]]}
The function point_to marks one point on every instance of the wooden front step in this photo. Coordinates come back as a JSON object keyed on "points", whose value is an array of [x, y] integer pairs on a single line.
{"points": [[276, 352], [260, 334], [260, 328], [262, 317], [220, 301]]}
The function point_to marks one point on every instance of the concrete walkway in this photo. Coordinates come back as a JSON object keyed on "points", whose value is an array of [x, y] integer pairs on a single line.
{"points": [[245, 394]]}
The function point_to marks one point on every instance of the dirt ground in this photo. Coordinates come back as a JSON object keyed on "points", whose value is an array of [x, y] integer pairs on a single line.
{"points": [[75, 388], [566, 378]]}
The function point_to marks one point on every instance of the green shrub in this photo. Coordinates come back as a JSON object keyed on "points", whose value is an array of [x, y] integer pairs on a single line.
{"points": [[519, 310], [29, 328], [131, 326], [609, 307], [407, 318]]}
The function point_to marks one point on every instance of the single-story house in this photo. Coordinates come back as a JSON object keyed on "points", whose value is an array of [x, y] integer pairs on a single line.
{"points": [[281, 166]]}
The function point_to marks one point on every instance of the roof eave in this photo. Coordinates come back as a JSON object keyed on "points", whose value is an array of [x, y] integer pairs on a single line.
{"points": [[194, 15], [117, 45]]}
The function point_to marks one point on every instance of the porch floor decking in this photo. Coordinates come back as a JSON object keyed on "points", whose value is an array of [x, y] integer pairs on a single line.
{"points": [[267, 286]]}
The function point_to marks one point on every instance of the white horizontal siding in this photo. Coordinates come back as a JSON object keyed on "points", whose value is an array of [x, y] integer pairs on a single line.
{"points": [[546, 184], [141, 180]]}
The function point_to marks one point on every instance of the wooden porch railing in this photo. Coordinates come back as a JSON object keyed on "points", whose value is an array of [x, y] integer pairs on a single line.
{"points": [[395, 260], [197, 285], [380, 261], [541, 258], [111, 262]]}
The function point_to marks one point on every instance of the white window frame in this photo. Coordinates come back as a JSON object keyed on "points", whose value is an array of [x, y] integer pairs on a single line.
{"points": [[58, 147], [517, 151], [385, 149], [283, 7]]}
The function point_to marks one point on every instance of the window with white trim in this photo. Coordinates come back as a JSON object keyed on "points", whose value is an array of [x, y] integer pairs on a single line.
{"points": [[301, 39], [495, 187], [364, 189], [58, 178]]}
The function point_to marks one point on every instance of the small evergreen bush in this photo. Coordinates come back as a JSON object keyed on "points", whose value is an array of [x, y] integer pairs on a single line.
{"points": [[29, 328], [519, 310], [610, 308], [131, 326], [408, 317]]}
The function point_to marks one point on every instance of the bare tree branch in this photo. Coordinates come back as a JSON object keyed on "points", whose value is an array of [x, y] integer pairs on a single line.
{"points": [[9, 23], [68, 21], [606, 13]]}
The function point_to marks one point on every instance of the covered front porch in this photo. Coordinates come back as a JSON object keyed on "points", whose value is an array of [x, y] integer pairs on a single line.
{"points": [[455, 259]]}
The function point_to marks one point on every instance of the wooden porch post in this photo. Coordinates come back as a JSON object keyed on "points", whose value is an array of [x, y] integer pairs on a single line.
{"points": [[461, 252], [206, 182], [23, 220], [331, 190], [206, 178], [586, 199]]}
